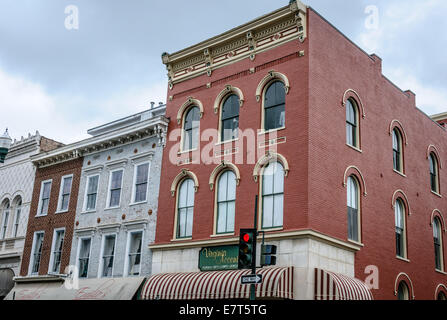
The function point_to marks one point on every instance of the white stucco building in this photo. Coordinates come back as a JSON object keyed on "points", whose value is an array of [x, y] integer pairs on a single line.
{"points": [[16, 188]]}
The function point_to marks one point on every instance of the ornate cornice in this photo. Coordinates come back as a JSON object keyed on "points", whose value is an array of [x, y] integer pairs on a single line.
{"points": [[246, 41]]}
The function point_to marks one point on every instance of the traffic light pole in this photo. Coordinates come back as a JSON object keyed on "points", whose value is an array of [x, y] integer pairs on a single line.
{"points": [[253, 263]]}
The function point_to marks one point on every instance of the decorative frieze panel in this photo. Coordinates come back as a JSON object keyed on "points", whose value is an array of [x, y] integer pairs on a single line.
{"points": [[283, 25]]}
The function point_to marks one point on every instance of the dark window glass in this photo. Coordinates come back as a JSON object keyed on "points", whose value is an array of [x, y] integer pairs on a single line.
{"points": [[399, 212], [230, 118], [397, 146], [351, 124], [433, 173], [353, 210], [275, 106], [191, 129], [402, 291], [438, 243]]}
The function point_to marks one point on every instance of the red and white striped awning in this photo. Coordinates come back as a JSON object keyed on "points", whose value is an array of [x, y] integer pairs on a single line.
{"points": [[334, 286], [276, 283]]}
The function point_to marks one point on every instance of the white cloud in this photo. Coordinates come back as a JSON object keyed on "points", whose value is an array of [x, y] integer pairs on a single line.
{"points": [[430, 100], [27, 106]]}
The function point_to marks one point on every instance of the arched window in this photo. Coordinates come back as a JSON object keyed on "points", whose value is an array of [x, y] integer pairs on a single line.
{"points": [[397, 151], [273, 195], [437, 237], [399, 212], [18, 215], [441, 296], [230, 118], [434, 173], [191, 129], [275, 106], [352, 124], [353, 203], [5, 219], [185, 209], [226, 202], [402, 291]]}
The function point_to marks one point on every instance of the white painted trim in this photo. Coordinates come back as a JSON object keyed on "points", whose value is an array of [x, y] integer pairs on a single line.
{"points": [[126, 257], [134, 181], [53, 243], [101, 260], [39, 207], [33, 249], [110, 185], [87, 184], [78, 251], [61, 187]]}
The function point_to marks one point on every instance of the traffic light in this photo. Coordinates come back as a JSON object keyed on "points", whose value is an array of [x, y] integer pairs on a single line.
{"points": [[268, 253], [247, 248]]}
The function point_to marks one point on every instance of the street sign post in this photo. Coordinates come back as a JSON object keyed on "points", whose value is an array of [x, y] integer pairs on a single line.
{"points": [[251, 279]]}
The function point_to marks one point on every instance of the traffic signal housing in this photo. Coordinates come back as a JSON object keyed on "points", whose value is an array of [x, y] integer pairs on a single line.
{"points": [[268, 255], [247, 249]]}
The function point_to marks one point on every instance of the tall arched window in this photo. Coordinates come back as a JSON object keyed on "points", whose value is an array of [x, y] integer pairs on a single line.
{"points": [[230, 118], [185, 209], [18, 215], [275, 106], [5, 219], [399, 213], [352, 126], [397, 151], [434, 175], [402, 291], [437, 238], [273, 195], [226, 202], [353, 203], [441, 296], [191, 129]]}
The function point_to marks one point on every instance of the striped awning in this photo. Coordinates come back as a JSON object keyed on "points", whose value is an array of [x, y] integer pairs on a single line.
{"points": [[276, 283], [334, 286]]}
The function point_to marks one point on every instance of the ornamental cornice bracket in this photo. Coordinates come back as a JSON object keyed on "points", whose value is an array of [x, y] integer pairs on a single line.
{"points": [[251, 44]]}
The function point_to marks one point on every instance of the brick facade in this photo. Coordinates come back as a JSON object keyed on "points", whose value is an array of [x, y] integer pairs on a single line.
{"points": [[316, 149], [52, 220]]}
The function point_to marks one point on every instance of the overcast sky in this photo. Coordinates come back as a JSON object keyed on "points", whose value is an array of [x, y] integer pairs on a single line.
{"points": [[63, 82]]}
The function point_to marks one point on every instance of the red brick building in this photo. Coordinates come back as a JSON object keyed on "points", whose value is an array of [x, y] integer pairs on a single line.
{"points": [[51, 221], [336, 128]]}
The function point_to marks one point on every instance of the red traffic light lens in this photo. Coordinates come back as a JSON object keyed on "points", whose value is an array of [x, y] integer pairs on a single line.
{"points": [[246, 237]]}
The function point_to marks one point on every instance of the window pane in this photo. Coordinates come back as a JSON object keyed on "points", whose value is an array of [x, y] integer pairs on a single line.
{"points": [[115, 198], [91, 202], [108, 256], [231, 209], [67, 185], [278, 210], [142, 173], [222, 187], [116, 179], [268, 180], [189, 220], [275, 94], [135, 253], [275, 117], [278, 170], [84, 257], [230, 107], [57, 253], [267, 215], [222, 217], [182, 222], [92, 185], [231, 189]]}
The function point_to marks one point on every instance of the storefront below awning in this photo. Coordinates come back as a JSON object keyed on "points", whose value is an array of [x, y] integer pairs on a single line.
{"points": [[277, 283], [86, 289], [334, 286]]}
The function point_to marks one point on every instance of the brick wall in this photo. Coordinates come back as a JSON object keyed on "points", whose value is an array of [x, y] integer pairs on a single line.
{"points": [[52, 221]]}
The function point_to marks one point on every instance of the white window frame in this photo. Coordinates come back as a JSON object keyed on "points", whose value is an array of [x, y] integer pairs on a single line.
{"points": [[126, 261], [87, 184], [50, 266], [5, 219], [33, 248], [61, 189], [109, 191], [39, 207], [17, 217], [79, 252], [134, 186], [101, 260]]}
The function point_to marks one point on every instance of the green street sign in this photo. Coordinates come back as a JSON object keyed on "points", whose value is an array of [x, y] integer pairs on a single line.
{"points": [[218, 258]]}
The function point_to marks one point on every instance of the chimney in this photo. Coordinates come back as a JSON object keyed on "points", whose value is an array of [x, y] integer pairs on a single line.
{"points": [[152, 105]]}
